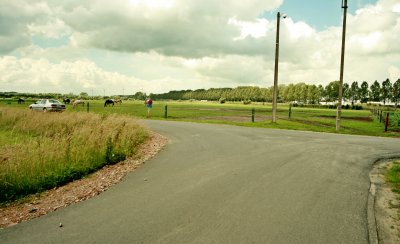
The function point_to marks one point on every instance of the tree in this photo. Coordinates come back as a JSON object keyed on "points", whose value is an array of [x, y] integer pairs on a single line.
{"points": [[346, 91], [291, 92], [267, 93], [386, 90], [354, 92], [375, 91], [84, 95], [313, 94], [321, 92], [304, 92], [363, 93], [332, 91], [396, 92], [141, 96]]}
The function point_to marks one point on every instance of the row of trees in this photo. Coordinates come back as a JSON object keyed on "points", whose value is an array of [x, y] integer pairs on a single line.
{"points": [[385, 92], [300, 92]]}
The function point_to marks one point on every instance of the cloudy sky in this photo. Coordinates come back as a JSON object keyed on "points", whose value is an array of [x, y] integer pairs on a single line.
{"points": [[107, 47]]}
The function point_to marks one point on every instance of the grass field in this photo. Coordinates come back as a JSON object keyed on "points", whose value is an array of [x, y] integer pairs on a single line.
{"points": [[39, 151], [359, 122]]}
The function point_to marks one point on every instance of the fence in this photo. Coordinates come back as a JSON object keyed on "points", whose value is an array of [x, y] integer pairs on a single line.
{"points": [[391, 120]]}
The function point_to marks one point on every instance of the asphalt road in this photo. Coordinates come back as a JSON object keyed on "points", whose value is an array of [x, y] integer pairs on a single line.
{"points": [[226, 184]]}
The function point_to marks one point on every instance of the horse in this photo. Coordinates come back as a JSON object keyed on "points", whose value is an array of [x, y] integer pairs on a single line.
{"points": [[117, 101], [108, 102], [66, 100], [77, 102], [21, 101]]}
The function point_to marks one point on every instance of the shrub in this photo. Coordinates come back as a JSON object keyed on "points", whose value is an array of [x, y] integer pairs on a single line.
{"points": [[356, 107], [246, 102], [222, 100]]}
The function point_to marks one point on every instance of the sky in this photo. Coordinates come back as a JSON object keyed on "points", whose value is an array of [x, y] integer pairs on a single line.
{"points": [[104, 47]]}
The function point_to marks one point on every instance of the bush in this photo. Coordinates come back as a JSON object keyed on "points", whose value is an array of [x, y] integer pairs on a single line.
{"points": [[246, 102], [356, 107], [222, 100]]}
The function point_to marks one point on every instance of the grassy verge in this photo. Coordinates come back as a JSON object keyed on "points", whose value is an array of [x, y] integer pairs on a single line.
{"points": [[393, 177], [39, 151]]}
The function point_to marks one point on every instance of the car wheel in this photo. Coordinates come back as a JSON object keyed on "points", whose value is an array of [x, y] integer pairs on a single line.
{"points": [[44, 109]]}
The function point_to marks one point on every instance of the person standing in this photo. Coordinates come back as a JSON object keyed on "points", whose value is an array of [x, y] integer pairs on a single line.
{"points": [[149, 104]]}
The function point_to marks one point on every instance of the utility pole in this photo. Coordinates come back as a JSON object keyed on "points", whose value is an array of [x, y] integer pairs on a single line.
{"points": [[339, 108], [275, 92]]}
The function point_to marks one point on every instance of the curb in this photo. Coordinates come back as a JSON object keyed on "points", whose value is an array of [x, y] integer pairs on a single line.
{"points": [[371, 219]]}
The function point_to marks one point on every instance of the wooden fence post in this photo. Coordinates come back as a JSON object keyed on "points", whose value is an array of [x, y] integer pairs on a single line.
{"points": [[253, 111], [87, 107], [290, 110], [166, 111]]}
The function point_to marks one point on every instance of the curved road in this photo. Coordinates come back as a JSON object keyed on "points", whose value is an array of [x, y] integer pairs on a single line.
{"points": [[226, 184]]}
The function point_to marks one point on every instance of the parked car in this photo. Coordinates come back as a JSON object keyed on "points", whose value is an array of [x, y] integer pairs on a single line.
{"points": [[47, 105]]}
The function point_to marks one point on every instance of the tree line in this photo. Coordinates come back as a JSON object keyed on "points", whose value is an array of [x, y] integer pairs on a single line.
{"points": [[301, 92], [384, 92]]}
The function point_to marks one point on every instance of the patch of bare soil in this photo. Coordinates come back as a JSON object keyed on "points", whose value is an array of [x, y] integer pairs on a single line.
{"points": [[364, 119], [79, 190], [386, 207], [314, 123], [237, 118]]}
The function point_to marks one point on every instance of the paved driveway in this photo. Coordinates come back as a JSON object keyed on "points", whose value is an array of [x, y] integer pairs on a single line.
{"points": [[225, 184]]}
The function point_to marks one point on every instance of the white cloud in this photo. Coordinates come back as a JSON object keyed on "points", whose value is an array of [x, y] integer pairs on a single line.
{"points": [[174, 28], [394, 73], [15, 16], [28, 75], [161, 45], [253, 29], [54, 28], [396, 8]]}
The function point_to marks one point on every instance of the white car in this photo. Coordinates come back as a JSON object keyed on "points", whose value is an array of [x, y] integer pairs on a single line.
{"points": [[47, 105]]}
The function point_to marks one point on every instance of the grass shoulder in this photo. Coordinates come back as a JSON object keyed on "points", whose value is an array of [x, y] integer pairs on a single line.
{"points": [[390, 222], [40, 151], [393, 177]]}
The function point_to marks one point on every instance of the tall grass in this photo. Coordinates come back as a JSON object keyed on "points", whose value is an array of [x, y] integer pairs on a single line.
{"points": [[40, 151]]}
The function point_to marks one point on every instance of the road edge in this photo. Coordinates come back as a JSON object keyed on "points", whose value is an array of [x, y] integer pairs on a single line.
{"points": [[371, 218], [375, 190]]}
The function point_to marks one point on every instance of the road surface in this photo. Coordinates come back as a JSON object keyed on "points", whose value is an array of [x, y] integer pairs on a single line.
{"points": [[226, 184]]}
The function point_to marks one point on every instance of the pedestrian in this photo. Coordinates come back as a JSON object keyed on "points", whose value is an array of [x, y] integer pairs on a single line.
{"points": [[149, 104]]}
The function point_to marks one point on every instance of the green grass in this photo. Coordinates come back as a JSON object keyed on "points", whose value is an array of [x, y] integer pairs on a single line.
{"points": [[39, 151], [82, 142], [393, 177], [358, 122]]}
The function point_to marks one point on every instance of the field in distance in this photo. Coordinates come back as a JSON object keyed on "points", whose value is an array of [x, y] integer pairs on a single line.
{"points": [[358, 122]]}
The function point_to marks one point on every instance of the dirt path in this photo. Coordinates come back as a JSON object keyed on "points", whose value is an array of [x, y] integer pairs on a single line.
{"points": [[79, 190]]}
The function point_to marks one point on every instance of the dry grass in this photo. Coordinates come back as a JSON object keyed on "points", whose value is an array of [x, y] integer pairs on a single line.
{"points": [[42, 150]]}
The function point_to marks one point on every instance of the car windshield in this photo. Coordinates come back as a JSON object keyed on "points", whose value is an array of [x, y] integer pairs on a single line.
{"points": [[54, 101]]}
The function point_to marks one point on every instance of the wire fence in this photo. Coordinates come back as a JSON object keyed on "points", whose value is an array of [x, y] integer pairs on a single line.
{"points": [[390, 120]]}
